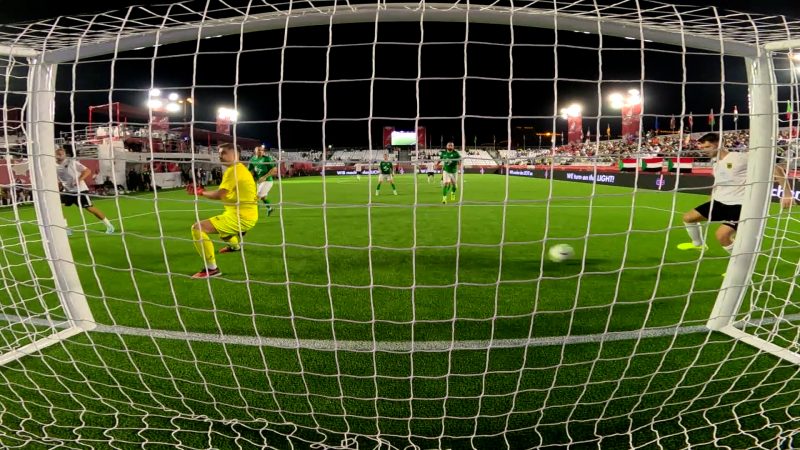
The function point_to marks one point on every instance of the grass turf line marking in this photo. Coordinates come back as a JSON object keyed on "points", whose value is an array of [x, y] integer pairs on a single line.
{"points": [[391, 346]]}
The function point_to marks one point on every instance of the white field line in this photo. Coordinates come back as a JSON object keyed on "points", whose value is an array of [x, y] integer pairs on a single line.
{"points": [[354, 206], [391, 346], [374, 205]]}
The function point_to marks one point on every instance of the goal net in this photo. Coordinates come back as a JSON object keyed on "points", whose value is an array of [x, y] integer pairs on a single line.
{"points": [[470, 225]]}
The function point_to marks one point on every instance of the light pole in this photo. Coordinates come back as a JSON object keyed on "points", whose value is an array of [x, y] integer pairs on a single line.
{"points": [[630, 105], [573, 114], [225, 117], [183, 104]]}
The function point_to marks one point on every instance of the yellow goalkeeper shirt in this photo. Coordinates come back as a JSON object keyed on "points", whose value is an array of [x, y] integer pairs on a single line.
{"points": [[241, 199]]}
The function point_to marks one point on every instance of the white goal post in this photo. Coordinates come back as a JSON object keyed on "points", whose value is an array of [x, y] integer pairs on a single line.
{"points": [[41, 148], [763, 138]]}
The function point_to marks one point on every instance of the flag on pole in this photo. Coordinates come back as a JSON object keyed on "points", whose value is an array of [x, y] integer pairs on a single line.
{"points": [[582, 135], [588, 133], [735, 114], [691, 121], [608, 131], [711, 121], [672, 122], [789, 110], [656, 123]]}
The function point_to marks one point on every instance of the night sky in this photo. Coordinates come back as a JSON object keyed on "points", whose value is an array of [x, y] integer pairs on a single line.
{"points": [[344, 101]]}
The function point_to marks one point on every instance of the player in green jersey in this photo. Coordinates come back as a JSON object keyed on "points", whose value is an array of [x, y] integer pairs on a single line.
{"points": [[450, 162], [263, 168], [386, 171]]}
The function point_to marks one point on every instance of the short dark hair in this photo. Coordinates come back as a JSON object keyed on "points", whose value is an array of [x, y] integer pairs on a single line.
{"points": [[711, 138], [227, 147]]}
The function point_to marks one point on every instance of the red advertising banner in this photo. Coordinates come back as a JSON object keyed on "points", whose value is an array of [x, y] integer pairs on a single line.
{"points": [[575, 124], [19, 170], [387, 136], [630, 120], [223, 125], [421, 137], [160, 123]]}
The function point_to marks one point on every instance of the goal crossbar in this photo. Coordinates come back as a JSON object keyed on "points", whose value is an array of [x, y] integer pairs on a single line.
{"points": [[403, 12]]}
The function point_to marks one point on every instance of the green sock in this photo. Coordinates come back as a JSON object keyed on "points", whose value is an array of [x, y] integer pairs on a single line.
{"points": [[445, 189], [393, 188], [379, 187], [266, 201]]}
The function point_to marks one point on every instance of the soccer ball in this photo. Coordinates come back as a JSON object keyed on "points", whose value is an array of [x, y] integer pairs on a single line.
{"points": [[561, 252]]}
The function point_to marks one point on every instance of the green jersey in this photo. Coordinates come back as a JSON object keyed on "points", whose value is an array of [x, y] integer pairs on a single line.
{"points": [[261, 165], [386, 167], [449, 160]]}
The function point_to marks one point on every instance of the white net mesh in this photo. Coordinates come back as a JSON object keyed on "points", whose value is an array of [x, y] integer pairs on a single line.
{"points": [[351, 317]]}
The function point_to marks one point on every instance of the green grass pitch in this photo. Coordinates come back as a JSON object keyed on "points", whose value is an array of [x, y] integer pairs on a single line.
{"points": [[335, 263]]}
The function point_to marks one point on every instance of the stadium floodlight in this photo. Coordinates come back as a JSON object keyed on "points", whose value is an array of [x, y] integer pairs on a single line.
{"points": [[228, 114], [155, 92], [173, 97], [342, 321], [173, 107], [634, 97], [155, 103], [573, 110], [616, 100]]}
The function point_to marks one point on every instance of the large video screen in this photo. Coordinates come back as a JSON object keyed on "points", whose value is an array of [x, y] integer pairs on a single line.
{"points": [[404, 138]]}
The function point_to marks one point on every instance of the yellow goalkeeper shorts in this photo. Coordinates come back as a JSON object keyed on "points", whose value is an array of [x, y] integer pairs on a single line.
{"points": [[229, 224]]}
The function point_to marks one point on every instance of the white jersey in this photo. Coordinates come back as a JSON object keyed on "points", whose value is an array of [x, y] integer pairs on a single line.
{"points": [[69, 172], [358, 167], [730, 177], [791, 158]]}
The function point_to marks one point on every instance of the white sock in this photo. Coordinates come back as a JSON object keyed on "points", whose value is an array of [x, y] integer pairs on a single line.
{"points": [[729, 248], [211, 266], [695, 233], [107, 222]]}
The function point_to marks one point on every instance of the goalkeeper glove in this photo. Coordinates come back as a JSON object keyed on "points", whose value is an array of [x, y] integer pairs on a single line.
{"points": [[194, 190]]}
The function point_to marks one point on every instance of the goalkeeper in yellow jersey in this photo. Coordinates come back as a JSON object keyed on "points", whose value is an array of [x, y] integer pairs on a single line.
{"points": [[238, 193]]}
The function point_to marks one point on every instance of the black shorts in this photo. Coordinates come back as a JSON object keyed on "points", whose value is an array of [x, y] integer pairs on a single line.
{"points": [[720, 212], [76, 198]]}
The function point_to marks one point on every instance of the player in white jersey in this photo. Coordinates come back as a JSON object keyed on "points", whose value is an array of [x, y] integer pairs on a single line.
{"points": [[358, 171], [727, 196], [71, 178], [431, 169]]}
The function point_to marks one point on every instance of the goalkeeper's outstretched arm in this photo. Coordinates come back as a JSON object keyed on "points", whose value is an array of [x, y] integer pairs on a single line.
{"points": [[215, 195], [200, 192]]}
